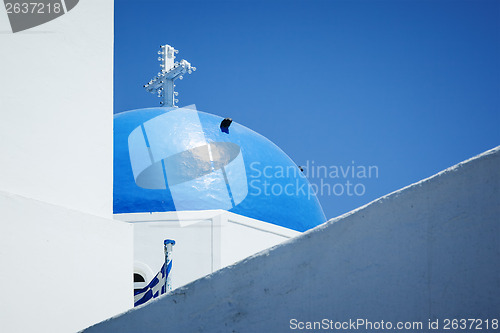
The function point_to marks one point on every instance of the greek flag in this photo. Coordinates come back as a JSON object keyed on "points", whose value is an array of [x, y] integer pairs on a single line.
{"points": [[155, 288]]}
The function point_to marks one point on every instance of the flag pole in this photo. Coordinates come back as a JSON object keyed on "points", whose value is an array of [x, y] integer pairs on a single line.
{"points": [[167, 247]]}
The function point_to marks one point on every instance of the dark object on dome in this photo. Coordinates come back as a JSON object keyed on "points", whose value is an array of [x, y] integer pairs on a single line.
{"points": [[301, 168], [226, 123]]}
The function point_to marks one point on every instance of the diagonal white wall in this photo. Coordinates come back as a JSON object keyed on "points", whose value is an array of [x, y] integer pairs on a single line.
{"points": [[428, 251], [56, 109]]}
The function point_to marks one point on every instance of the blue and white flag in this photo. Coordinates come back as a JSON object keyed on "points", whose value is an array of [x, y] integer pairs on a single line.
{"points": [[155, 288]]}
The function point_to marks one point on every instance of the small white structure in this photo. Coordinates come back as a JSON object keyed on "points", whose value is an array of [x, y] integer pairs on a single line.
{"points": [[205, 242]]}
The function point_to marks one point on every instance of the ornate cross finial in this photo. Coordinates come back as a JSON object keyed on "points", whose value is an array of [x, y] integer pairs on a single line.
{"points": [[163, 83]]}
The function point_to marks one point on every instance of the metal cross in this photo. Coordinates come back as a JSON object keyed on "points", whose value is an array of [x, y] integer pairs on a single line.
{"points": [[163, 83]]}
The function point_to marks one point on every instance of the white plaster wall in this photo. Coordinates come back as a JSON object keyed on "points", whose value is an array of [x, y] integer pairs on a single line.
{"points": [[205, 241], [56, 117], [241, 237], [428, 251], [61, 270]]}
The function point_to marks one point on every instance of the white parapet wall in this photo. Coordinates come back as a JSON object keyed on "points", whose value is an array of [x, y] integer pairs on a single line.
{"points": [[56, 108], [427, 252], [62, 270]]}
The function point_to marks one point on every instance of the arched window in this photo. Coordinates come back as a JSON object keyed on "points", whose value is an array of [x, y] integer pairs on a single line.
{"points": [[138, 278]]}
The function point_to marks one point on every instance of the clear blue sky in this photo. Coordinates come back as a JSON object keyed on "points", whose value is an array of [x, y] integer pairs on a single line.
{"points": [[411, 87]]}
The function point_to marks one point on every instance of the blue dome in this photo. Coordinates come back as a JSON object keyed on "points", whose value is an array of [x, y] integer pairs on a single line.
{"points": [[169, 159]]}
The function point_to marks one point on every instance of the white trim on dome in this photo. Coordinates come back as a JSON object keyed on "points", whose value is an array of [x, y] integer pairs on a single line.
{"points": [[184, 217]]}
